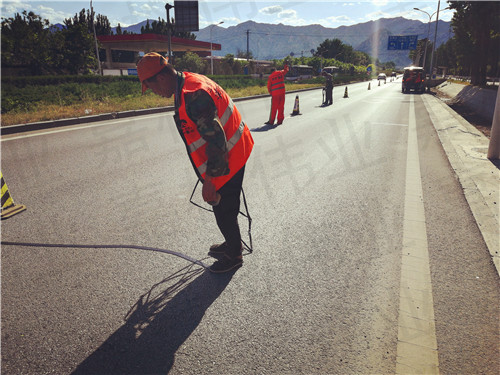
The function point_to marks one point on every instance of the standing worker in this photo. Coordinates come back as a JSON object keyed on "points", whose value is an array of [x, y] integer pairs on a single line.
{"points": [[218, 143], [328, 88], [276, 87]]}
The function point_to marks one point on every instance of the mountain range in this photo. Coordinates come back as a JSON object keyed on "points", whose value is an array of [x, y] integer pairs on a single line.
{"points": [[276, 41]]}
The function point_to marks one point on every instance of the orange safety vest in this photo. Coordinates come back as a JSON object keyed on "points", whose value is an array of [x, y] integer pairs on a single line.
{"points": [[276, 83], [238, 137]]}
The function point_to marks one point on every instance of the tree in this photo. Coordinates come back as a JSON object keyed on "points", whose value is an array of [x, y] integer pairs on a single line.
{"points": [[476, 25], [79, 46], [102, 25], [331, 49], [417, 55], [190, 62], [244, 55], [161, 27], [24, 42], [447, 56]]}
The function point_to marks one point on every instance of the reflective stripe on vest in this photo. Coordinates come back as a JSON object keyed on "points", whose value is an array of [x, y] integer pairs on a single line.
{"points": [[230, 144], [223, 120], [277, 83], [238, 137]]}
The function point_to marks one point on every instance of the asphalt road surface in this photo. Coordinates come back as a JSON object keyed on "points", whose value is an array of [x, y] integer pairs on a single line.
{"points": [[325, 290]]}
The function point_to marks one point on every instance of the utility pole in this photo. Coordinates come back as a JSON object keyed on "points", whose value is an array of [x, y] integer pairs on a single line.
{"points": [[95, 40], [169, 31], [248, 49], [211, 52]]}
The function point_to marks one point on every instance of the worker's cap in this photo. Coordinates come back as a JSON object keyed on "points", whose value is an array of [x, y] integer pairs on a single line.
{"points": [[150, 65]]}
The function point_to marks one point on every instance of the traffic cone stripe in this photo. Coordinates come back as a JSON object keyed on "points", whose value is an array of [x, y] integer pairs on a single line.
{"points": [[7, 200], [296, 110], [9, 208]]}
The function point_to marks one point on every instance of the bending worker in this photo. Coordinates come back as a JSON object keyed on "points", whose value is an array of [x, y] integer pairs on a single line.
{"points": [[218, 143], [276, 87]]}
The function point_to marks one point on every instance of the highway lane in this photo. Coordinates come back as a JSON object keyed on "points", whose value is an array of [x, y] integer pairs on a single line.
{"points": [[321, 293]]}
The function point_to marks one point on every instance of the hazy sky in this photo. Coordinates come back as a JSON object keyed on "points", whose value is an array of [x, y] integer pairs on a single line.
{"points": [[327, 13]]}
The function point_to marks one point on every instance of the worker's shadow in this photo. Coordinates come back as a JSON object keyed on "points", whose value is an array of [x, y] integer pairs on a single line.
{"points": [[157, 325], [264, 128], [496, 163]]}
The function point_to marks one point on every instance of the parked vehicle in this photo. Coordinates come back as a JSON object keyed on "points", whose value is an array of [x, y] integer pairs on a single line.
{"points": [[413, 79], [298, 72]]}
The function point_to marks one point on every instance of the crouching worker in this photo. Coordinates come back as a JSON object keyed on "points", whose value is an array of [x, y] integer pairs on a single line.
{"points": [[218, 143]]}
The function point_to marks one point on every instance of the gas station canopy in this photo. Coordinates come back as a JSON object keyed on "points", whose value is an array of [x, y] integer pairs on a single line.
{"points": [[150, 43]]}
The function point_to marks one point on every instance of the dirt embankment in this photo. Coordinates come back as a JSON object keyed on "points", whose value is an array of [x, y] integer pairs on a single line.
{"points": [[474, 104]]}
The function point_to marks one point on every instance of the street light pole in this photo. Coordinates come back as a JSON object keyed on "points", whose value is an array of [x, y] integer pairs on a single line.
{"points": [[428, 32], [435, 35], [211, 56]]}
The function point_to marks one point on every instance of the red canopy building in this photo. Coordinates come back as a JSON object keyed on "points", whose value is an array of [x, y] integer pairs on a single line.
{"points": [[147, 43]]}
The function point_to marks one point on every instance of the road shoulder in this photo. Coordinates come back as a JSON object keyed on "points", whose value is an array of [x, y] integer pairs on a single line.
{"points": [[466, 148]]}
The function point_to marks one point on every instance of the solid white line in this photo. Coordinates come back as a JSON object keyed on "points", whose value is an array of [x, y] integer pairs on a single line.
{"points": [[388, 124], [417, 344], [67, 128]]}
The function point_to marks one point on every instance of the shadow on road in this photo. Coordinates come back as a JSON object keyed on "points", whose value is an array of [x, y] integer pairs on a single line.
{"points": [[496, 163], [264, 128], [157, 325]]}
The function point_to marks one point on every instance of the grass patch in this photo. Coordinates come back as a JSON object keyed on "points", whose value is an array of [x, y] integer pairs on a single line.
{"points": [[35, 103]]}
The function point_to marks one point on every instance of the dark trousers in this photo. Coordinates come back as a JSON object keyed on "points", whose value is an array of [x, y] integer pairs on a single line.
{"points": [[226, 212], [329, 95]]}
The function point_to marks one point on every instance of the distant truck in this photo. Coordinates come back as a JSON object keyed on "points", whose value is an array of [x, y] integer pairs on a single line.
{"points": [[413, 79]]}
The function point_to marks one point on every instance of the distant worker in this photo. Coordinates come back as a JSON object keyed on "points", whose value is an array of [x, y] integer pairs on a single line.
{"points": [[218, 143], [276, 87], [328, 88]]}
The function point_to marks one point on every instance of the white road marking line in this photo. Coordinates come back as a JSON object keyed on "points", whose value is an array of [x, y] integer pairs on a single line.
{"points": [[388, 124], [67, 128], [417, 344]]}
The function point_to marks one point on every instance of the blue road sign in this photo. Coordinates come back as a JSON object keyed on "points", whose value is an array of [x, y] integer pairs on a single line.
{"points": [[400, 42]]}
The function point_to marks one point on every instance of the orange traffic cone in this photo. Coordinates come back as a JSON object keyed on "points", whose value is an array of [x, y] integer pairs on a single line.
{"points": [[296, 110], [9, 208]]}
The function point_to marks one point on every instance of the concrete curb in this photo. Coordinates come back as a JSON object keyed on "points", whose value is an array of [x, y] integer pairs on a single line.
{"points": [[466, 148], [13, 129]]}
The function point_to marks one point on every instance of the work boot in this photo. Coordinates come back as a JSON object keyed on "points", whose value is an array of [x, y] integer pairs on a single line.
{"points": [[226, 264], [219, 249]]}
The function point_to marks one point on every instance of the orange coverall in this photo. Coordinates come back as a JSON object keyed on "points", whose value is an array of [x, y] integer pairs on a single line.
{"points": [[276, 87]]}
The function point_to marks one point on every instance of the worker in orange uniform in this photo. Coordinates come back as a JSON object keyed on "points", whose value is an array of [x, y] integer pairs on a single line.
{"points": [[276, 87], [218, 143]]}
